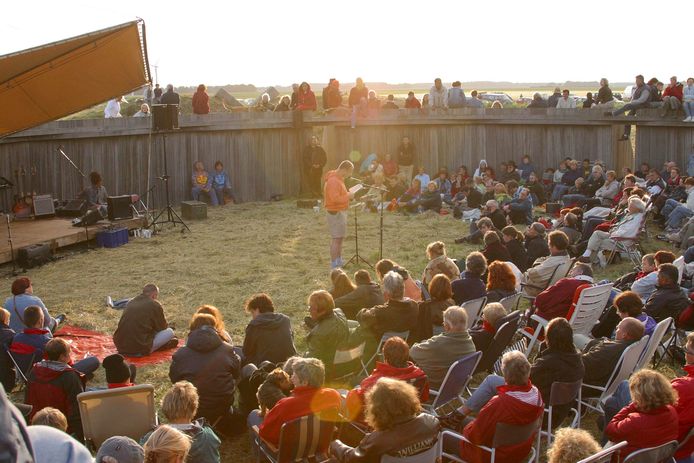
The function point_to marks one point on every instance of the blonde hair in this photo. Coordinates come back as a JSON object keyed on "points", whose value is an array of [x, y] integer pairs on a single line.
{"points": [[389, 402], [650, 390], [436, 249], [181, 402], [4, 316], [493, 312], [323, 300], [52, 417], [166, 444], [571, 445]]}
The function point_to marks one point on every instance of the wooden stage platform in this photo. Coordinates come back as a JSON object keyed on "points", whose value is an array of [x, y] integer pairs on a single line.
{"points": [[57, 232]]}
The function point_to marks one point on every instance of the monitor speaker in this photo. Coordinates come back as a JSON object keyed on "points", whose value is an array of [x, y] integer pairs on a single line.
{"points": [[73, 208], [164, 117], [119, 207]]}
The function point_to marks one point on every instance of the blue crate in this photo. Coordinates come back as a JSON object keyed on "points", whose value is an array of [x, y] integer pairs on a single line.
{"points": [[112, 238]]}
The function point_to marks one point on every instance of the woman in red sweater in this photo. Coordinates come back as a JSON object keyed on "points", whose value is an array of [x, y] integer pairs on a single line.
{"points": [[307, 99], [650, 419]]}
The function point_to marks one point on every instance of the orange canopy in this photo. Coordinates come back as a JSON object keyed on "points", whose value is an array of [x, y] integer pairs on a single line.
{"points": [[52, 81]]}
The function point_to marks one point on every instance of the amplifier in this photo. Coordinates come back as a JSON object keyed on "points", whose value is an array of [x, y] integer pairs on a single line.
{"points": [[164, 117], [43, 206], [119, 207], [34, 255]]}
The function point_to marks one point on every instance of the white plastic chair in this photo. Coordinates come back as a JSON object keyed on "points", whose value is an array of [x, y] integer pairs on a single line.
{"points": [[510, 302], [589, 307], [660, 454], [604, 455], [346, 356], [622, 370], [654, 341]]}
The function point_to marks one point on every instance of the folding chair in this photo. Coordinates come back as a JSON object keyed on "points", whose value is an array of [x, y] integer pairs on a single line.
{"points": [[455, 381], [125, 411], [305, 438], [586, 313], [630, 245], [505, 435], [510, 302], [660, 454], [521, 346], [654, 341], [502, 338], [23, 364], [605, 455], [345, 357], [686, 440], [553, 278], [562, 393], [473, 309], [427, 456], [679, 263], [386, 336], [624, 368]]}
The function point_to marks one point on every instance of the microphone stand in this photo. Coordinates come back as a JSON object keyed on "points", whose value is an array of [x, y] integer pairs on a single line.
{"points": [[383, 190], [15, 272]]}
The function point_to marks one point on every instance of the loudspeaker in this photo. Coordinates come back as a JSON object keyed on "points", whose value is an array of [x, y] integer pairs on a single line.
{"points": [[73, 208], [33, 255], [119, 207], [43, 206], [164, 117]]}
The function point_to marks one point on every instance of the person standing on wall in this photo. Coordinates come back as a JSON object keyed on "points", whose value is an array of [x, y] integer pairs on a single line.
{"points": [[314, 160], [336, 198]]}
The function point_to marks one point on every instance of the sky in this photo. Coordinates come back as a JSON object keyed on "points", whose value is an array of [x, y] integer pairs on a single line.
{"points": [[279, 42]]}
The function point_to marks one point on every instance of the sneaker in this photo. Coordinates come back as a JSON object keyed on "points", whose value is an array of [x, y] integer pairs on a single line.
{"points": [[687, 119], [461, 240], [109, 301], [602, 260], [60, 319], [673, 237]]}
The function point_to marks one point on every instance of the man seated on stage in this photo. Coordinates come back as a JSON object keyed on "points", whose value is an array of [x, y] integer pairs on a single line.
{"points": [[96, 195], [142, 328]]}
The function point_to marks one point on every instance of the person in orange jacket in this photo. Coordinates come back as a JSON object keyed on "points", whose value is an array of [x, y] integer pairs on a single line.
{"points": [[336, 199]]}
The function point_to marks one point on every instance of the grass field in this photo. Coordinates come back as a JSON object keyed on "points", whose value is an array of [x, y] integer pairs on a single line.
{"points": [[239, 250]]}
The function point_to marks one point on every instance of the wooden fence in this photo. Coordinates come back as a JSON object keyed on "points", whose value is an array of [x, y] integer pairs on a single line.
{"points": [[261, 151]]}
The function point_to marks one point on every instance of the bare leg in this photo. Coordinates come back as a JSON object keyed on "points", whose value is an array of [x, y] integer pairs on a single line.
{"points": [[335, 249]]}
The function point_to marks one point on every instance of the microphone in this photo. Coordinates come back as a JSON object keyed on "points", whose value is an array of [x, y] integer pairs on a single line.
{"points": [[356, 179]]}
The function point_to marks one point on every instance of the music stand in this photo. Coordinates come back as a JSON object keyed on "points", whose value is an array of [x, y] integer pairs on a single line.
{"points": [[382, 190], [165, 120], [357, 258]]}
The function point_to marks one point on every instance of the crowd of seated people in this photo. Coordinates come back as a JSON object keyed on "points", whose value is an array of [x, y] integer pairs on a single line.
{"points": [[207, 371]]}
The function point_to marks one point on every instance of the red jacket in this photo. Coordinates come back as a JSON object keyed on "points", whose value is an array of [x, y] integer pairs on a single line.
{"points": [[676, 91], [56, 384], [412, 103], [303, 401], [685, 408], [517, 405], [555, 301], [642, 429], [411, 374], [201, 103], [306, 101]]}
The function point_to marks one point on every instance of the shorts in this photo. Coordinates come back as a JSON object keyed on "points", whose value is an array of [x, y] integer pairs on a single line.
{"points": [[337, 224]]}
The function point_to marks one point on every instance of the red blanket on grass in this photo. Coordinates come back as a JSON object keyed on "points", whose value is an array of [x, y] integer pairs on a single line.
{"points": [[86, 343]]}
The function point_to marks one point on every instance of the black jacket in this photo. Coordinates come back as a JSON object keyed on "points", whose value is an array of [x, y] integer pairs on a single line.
{"points": [[314, 155], [495, 295], [268, 337], [553, 100], [496, 252], [403, 440], [430, 314], [550, 366], [467, 288], [170, 97], [666, 301], [538, 190], [212, 366], [363, 297], [498, 219], [394, 315], [600, 357], [536, 247], [7, 371], [519, 256]]}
